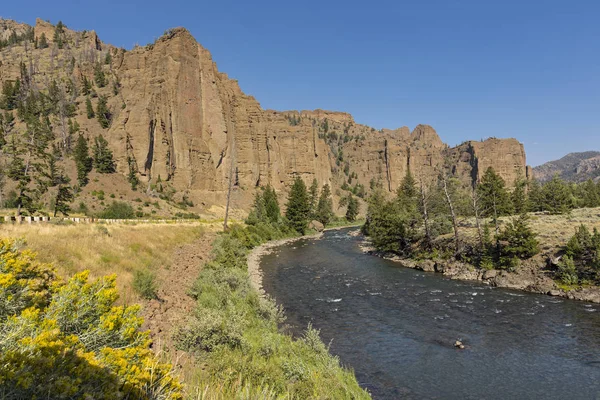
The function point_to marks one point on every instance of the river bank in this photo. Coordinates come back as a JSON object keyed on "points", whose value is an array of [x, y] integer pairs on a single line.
{"points": [[254, 271], [255, 255], [531, 276]]}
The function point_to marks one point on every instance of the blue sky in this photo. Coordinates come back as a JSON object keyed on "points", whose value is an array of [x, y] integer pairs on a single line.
{"points": [[471, 69]]}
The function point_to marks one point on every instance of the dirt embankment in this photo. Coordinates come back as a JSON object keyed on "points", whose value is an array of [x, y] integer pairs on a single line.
{"points": [[532, 276], [173, 304]]}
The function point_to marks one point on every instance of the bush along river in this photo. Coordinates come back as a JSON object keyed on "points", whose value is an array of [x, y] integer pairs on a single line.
{"points": [[396, 327]]}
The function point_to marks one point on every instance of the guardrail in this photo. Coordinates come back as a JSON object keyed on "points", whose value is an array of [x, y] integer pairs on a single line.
{"points": [[85, 220]]}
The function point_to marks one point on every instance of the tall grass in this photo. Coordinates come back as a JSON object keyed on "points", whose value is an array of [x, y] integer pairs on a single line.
{"points": [[122, 249], [240, 352]]}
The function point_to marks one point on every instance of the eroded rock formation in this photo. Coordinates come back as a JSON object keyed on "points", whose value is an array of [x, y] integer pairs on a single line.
{"points": [[177, 119]]}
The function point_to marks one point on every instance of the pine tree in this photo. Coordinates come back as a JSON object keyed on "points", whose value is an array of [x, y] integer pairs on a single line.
{"points": [[103, 113], [103, 156], [64, 194], [324, 212], [534, 193], [493, 197], [89, 108], [590, 194], [86, 86], [272, 211], [99, 76], [314, 196], [408, 201], [298, 207], [519, 196], [108, 59], [353, 209], [83, 161], [10, 94], [59, 31], [556, 196], [43, 42], [517, 241]]}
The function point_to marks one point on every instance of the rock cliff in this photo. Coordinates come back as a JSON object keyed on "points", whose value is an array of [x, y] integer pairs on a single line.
{"points": [[177, 120]]}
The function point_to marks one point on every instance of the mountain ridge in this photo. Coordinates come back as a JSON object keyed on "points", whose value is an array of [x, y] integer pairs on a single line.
{"points": [[576, 167]]}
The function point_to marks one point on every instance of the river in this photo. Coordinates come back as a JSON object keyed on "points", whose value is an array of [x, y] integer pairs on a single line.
{"points": [[396, 327]]}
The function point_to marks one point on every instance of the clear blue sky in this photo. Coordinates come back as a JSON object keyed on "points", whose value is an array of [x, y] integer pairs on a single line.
{"points": [[528, 69]]}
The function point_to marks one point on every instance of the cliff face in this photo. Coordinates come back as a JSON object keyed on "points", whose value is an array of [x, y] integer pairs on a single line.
{"points": [[177, 119]]}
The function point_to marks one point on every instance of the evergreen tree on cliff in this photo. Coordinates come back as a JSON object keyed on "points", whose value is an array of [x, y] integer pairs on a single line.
{"points": [[298, 207], [89, 108], [324, 212], [103, 156], [83, 161], [314, 197], [102, 112]]}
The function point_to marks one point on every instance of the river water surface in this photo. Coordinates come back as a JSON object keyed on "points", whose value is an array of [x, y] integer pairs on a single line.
{"points": [[396, 327]]}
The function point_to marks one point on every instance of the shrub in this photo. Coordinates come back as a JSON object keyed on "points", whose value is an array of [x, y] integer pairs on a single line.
{"points": [[517, 241], [117, 210], [567, 272], [144, 283], [69, 339]]}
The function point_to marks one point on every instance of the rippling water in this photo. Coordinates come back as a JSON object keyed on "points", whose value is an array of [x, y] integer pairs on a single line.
{"points": [[396, 327]]}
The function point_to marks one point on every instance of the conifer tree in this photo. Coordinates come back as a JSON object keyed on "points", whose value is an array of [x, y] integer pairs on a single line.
{"points": [[353, 208], [314, 196], [298, 207], [103, 113], [43, 41], [64, 194], [519, 196], [103, 156], [272, 211], [324, 212], [408, 201], [10, 94], [86, 86], [493, 197], [59, 31], [99, 76], [518, 241], [83, 161], [590, 194], [89, 108], [534, 194], [556, 196]]}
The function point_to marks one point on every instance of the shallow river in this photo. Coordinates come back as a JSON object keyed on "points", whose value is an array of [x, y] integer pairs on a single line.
{"points": [[396, 327]]}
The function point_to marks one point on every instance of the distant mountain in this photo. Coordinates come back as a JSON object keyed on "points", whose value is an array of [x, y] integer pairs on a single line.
{"points": [[575, 167]]}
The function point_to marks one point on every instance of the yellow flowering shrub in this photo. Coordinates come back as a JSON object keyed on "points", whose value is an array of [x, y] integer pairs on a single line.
{"points": [[23, 281], [69, 340]]}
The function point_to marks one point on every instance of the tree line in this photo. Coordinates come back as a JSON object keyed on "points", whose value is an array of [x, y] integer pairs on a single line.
{"points": [[303, 205], [424, 217]]}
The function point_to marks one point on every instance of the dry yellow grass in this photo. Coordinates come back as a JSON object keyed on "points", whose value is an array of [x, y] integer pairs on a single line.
{"points": [[553, 230], [105, 249]]}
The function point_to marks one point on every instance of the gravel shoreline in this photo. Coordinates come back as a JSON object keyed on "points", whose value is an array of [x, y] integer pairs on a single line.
{"points": [[254, 257], [254, 271]]}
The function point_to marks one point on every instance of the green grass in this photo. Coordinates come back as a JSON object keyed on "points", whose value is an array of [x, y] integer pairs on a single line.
{"points": [[235, 337]]}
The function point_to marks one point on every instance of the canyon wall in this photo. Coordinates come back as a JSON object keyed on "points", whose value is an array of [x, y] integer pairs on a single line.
{"points": [[177, 119]]}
